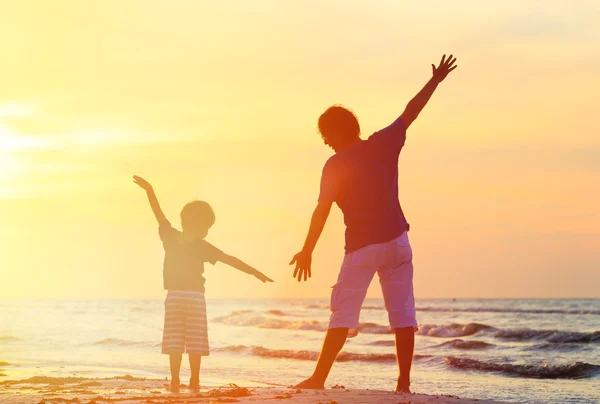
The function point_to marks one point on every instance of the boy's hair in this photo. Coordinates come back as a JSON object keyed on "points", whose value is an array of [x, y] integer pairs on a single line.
{"points": [[197, 213], [338, 122]]}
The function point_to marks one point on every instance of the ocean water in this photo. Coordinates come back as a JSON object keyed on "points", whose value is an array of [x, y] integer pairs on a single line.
{"points": [[533, 351]]}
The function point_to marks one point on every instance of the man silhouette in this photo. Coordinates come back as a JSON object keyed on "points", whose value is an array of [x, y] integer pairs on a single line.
{"points": [[362, 178]]}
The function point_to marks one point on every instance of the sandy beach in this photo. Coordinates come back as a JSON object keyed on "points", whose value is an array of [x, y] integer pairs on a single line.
{"points": [[129, 390], [510, 351]]}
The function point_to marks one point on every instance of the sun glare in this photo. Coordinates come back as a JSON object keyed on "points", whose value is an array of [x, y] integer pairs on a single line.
{"points": [[15, 110], [11, 142], [11, 146], [8, 169]]}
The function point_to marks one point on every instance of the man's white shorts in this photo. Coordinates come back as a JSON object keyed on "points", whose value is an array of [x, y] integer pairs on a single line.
{"points": [[393, 263]]}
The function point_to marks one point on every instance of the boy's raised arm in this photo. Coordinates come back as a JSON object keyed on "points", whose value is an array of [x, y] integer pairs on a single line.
{"points": [[416, 105], [242, 266], [145, 185]]}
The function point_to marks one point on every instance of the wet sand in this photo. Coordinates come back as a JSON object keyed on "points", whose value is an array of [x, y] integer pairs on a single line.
{"points": [[129, 390]]}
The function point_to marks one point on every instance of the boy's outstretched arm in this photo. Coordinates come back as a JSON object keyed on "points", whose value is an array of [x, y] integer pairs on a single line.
{"points": [[145, 185], [303, 259], [242, 266], [416, 105]]}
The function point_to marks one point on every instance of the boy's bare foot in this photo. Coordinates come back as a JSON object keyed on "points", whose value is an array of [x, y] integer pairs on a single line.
{"points": [[195, 387], [310, 384], [174, 386]]}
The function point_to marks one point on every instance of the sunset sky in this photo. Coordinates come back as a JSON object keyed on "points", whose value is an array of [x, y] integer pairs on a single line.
{"points": [[499, 178]]}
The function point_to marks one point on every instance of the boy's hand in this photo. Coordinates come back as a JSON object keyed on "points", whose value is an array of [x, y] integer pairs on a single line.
{"points": [[445, 67], [303, 262], [145, 185], [262, 277], [245, 268]]}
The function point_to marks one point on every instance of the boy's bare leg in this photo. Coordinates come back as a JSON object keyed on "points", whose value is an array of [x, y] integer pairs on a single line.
{"points": [[175, 362], [334, 341], [195, 370], [405, 346]]}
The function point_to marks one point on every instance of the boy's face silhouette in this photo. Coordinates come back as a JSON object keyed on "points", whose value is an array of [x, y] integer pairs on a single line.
{"points": [[195, 229], [197, 217]]}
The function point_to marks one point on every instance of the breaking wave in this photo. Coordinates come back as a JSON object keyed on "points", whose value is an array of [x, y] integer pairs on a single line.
{"points": [[461, 344], [311, 355], [554, 336], [479, 310], [122, 342], [240, 318], [372, 328], [246, 319], [452, 330], [385, 342], [577, 370], [560, 346], [455, 343], [508, 310], [317, 306]]}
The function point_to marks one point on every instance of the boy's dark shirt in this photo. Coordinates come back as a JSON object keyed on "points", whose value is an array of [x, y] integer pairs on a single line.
{"points": [[184, 262]]}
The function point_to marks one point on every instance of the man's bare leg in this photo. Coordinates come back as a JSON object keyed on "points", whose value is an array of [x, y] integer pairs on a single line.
{"points": [[175, 362], [195, 370], [334, 341], [405, 346]]}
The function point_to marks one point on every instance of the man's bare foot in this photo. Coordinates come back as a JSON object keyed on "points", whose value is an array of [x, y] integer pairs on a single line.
{"points": [[310, 384], [402, 389]]}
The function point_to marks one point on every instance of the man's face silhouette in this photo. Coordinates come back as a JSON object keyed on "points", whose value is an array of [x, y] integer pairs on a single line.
{"points": [[331, 142]]}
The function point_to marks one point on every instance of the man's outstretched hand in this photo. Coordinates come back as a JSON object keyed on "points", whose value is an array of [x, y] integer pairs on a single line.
{"points": [[445, 67], [303, 261]]}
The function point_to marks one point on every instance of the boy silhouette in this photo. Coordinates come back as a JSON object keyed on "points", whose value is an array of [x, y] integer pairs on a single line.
{"points": [[186, 251]]}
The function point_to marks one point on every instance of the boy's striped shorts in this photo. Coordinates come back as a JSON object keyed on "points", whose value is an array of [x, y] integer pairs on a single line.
{"points": [[185, 323]]}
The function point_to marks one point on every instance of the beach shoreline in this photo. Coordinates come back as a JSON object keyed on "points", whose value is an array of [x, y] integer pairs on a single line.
{"points": [[510, 351], [130, 390]]}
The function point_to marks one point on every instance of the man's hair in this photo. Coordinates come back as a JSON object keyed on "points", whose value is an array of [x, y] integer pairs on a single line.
{"points": [[338, 122], [197, 213]]}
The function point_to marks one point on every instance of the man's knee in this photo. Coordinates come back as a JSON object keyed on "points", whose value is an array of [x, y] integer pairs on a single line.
{"points": [[345, 317], [338, 331]]}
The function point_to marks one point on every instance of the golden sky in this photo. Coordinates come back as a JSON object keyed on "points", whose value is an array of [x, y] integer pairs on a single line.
{"points": [[499, 178]]}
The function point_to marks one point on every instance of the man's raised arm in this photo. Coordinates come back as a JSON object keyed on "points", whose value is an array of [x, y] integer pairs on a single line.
{"points": [[416, 105]]}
